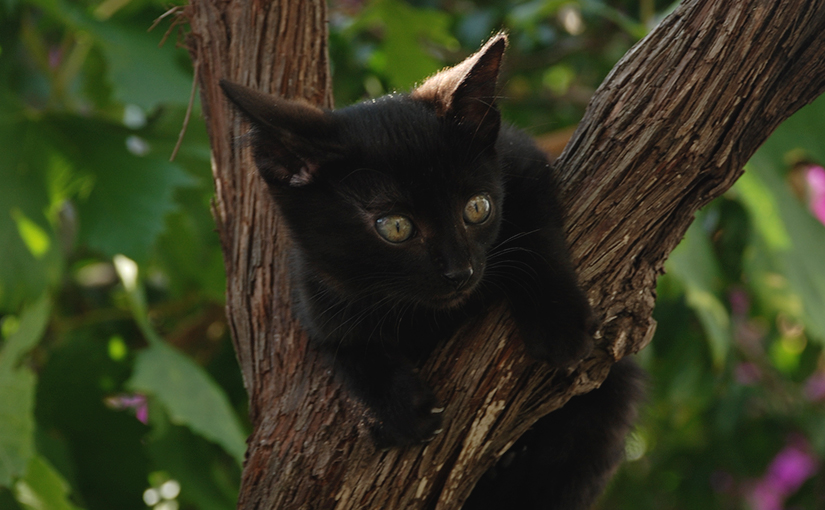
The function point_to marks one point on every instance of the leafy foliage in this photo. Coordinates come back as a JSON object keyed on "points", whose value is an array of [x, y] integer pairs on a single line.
{"points": [[117, 377]]}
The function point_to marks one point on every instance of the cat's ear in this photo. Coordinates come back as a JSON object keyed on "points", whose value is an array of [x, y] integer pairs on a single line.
{"points": [[290, 139], [467, 91]]}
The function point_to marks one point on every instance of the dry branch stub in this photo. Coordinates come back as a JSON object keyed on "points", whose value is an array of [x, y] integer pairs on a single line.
{"points": [[670, 128]]}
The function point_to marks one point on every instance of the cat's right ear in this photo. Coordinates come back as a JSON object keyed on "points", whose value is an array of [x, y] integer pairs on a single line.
{"points": [[291, 139]]}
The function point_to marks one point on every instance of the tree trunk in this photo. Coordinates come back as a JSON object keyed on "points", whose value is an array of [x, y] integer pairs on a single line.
{"points": [[670, 129]]}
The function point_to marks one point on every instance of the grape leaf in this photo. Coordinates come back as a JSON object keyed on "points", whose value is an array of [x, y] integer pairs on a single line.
{"points": [[131, 194], [190, 396]]}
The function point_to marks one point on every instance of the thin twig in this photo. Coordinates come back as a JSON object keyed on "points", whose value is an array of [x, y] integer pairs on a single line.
{"points": [[188, 111], [160, 18], [177, 21]]}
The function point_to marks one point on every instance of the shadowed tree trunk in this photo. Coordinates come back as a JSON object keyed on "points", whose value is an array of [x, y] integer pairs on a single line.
{"points": [[669, 129]]}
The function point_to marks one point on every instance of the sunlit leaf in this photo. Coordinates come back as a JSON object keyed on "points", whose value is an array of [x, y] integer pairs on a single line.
{"points": [[694, 263], [762, 205], [42, 488], [30, 260], [189, 395], [799, 259], [36, 239]]}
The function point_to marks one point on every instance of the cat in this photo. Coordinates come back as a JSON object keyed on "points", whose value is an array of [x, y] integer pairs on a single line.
{"points": [[411, 213]]}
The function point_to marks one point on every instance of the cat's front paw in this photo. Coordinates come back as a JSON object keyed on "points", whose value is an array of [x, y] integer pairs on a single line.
{"points": [[560, 342], [410, 415]]}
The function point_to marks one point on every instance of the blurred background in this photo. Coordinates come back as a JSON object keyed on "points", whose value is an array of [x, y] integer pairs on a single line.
{"points": [[119, 388]]}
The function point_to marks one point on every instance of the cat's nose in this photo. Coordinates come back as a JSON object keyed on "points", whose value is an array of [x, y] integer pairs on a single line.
{"points": [[458, 278]]}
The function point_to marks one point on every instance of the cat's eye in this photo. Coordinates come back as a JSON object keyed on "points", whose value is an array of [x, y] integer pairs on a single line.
{"points": [[477, 209], [395, 228]]}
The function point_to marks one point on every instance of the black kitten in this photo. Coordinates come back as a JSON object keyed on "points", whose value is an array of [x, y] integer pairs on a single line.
{"points": [[409, 214]]}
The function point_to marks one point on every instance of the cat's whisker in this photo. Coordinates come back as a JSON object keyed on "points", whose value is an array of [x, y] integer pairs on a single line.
{"points": [[513, 237]]}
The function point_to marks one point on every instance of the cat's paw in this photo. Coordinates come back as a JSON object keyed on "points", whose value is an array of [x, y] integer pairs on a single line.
{"points": [[411, 414], [560, 342]]}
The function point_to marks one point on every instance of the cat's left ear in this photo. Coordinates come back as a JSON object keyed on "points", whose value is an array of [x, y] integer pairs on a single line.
{"points": [[467, 91]]}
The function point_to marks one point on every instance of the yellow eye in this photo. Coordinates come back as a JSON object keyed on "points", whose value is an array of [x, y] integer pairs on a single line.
{"points": [[394, 228], [477, 209]]}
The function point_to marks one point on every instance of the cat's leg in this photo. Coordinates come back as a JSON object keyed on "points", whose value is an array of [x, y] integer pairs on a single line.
{"points": [[406, 410], [552, 313], [566, 459]]}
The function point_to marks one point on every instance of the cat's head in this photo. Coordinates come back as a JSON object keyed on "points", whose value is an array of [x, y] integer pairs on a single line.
{"points": [[398, 197]]}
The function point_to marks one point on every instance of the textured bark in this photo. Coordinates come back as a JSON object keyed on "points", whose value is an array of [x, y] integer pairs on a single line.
{"points": [[669, 130]]}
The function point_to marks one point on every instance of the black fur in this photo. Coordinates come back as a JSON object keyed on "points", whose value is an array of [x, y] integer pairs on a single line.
{"points": [[379, 307]]}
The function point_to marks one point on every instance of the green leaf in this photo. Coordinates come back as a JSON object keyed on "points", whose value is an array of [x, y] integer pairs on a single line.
{"points": [[16, 422], [403, 59], [17, 393], [30, 258], [786, 264], [191, 397], [793, 238], [131, 194], [33, 322], [761, 203], [36, 239], [42, 488], [693, 262], [527, 15], [190, 252], [141, 72]]}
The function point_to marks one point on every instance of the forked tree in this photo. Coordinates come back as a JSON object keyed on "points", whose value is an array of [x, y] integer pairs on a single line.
{"points": [[670, 128]]}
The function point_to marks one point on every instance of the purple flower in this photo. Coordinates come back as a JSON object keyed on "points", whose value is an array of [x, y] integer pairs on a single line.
{"points": [[815, 178], [134, 401], [791, 467]]}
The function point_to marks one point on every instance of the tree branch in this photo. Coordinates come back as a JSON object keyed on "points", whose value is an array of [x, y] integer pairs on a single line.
{"points": [[669, 130]]}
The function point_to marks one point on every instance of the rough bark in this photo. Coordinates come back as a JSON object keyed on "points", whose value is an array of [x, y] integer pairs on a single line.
{"points": [[670, 129]]}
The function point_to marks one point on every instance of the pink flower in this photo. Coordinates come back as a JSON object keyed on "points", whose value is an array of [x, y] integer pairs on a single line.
{"points": [[791, 467], [815, 178]]}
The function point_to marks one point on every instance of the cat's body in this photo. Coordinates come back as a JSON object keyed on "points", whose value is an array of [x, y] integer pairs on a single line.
{"points": [[411, 213]]}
